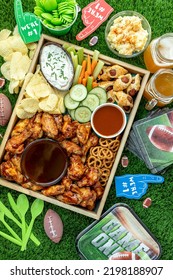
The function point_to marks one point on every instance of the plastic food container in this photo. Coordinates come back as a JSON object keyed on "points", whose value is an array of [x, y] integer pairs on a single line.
{"points": [[142, 36], [59, 30], [119, 234]]}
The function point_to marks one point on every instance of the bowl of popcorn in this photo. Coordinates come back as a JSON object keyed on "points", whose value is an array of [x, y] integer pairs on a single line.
{"points": [[128, 34]]}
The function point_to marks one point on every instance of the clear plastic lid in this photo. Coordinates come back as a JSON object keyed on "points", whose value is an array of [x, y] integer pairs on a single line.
{"points": [[119, 234]]}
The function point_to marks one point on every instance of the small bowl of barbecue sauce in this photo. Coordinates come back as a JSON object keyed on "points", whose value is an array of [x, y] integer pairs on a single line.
{"points": [[44, 162], [108, 120]]}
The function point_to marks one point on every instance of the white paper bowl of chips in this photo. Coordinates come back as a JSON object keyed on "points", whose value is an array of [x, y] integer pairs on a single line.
{"points": [[128, 34]]}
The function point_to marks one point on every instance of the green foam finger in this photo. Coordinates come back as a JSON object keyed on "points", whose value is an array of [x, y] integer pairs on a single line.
{"points": [[18, 10]]}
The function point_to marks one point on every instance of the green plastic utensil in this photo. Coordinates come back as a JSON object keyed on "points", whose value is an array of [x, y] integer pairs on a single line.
{"points": [[23, 206], [36, 209], [13, 204], [7, 212], [10, 238], [8, 227]]}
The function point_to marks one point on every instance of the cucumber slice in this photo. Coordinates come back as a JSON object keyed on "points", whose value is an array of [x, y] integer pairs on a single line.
{"points": [[101, 94], [91, 101], [83, 114], [71, 113], [78, 92], [70, 103]]}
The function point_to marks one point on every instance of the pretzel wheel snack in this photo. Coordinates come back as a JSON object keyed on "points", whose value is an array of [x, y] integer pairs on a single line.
{"points": [[105, 173], [94, 151], [92, 161], [107, 163], [112, 144], [105, 153]]}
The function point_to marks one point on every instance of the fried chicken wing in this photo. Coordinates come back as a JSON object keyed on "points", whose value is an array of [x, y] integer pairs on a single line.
{"points": [[83, 132], [84, 197], [91, 177], [49, 125], [15, 144], [31, 186], [53, 190], [72, 196], [67, 182], [92, 142], [19, 127], [88, 198], [98, 188], [69, 127], [10, 172], [76, 168], [59, 121], [71, 148], [16, 159], [36, 126]]}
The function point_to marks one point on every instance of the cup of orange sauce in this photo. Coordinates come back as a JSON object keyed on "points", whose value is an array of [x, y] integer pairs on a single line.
{"points": [[44, 162], [159, 89], [108, 120]]}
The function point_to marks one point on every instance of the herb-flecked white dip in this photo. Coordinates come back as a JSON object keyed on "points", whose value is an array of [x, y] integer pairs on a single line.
{"points": [[57, 67]]}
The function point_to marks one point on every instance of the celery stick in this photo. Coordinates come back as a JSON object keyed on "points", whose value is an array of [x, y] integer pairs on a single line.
{"points": [[65, 46], [80, 54], [89, 83], [95, 55], [74, 60], [71, 49], [77, 74], [97, 69]]}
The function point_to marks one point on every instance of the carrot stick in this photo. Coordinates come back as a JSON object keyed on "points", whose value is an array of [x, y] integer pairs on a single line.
{"points": [[89, 70], [84, 64], [80, 80], [86, 74], [93, 65], [84, 81]]}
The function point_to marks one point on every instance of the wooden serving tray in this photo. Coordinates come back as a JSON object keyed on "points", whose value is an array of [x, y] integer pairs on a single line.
{"points": [[109, 61]]}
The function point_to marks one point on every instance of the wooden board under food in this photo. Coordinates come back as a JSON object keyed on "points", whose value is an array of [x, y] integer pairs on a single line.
{"points": [[96, 213]]}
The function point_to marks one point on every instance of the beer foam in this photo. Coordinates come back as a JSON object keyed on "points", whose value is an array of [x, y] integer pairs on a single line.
{"points": [[166, 47]]}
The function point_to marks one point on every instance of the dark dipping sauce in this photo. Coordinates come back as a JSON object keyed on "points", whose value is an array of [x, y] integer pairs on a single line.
{"points": [[44, 162], [108, 120]]}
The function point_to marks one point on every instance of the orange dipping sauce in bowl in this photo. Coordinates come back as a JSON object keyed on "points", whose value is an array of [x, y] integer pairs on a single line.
{"points": [[108, 120], [44, 162]]}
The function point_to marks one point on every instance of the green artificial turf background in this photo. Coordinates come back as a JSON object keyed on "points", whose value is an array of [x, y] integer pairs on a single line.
{"points": [[159, 217]]}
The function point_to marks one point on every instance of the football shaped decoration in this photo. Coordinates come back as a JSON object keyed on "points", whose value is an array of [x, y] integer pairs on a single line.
{"points": [[161, 137], [5, 109], [53, 226], [124, 255]]}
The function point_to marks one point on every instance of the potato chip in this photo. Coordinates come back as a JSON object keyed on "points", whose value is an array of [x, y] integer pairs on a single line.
{"points": [[22, 114], [61, 105], [5, 49], [17, 44], [32, 46], [31, 54], [42, 90], [15, 30], [4, 34], [49, 103], [5, 70], [55, 111], [30, 105], [28, 77], [19, 66], [13, 86]]}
